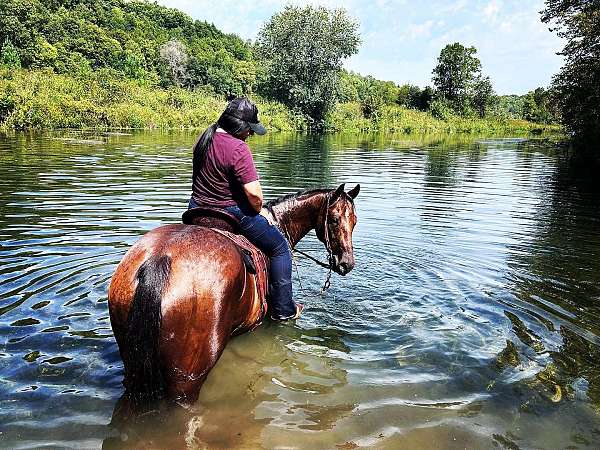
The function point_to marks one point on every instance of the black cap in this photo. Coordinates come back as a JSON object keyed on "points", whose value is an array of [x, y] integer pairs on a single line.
{"points": [[245, 110]]}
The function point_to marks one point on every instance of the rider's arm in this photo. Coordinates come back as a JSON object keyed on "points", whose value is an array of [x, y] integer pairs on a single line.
{"points": [[254, 193], [245, 174]]}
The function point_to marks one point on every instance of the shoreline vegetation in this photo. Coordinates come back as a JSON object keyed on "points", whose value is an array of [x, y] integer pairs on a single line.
{"points": [[40, 99]]}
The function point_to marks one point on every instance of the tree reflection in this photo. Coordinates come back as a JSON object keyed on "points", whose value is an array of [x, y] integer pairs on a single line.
{"points": [[557, 272]]}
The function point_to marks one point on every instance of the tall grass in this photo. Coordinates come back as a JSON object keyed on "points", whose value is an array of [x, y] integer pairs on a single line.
{"points": [[38, 99], [395, 119]]}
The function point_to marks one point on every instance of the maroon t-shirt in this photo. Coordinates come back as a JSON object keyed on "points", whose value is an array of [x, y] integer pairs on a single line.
{"points": [[227, 167]]}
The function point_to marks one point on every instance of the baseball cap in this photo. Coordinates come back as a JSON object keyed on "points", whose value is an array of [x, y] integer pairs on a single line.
{"points": [[243, 109]]}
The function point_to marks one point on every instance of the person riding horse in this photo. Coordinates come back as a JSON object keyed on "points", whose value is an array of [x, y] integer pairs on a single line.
{"points": [[224, 176]]}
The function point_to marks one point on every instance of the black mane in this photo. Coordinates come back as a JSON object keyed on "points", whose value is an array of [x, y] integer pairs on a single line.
{"points": [[295, 195]]}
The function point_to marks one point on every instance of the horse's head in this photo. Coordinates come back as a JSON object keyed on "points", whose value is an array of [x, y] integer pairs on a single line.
{"points": [[339, 219]]}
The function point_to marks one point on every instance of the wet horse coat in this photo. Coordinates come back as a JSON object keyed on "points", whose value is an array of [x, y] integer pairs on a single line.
{"points": [[182, 291]]}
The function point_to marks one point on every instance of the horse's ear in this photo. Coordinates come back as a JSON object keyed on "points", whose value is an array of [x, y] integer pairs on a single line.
{"points": [[354, 192], [338, 192]]}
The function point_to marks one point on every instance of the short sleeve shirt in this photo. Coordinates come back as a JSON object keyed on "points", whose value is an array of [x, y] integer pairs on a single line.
{"points": [[227, 167]]}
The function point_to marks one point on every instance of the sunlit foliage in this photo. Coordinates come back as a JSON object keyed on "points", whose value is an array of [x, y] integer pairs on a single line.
{"points": [[577, 85], [301, 50]]}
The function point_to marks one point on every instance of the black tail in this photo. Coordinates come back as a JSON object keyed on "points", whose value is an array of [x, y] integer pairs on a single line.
{"points": [[144, 380]]}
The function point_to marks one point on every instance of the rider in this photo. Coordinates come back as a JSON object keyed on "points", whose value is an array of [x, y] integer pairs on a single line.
{"points": [[224, 176]]}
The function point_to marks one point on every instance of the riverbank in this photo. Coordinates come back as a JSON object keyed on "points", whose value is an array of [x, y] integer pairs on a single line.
{"points": [[43, 100]]}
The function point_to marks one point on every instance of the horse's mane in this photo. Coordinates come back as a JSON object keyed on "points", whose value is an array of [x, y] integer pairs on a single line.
{"points": [[296, 195]]}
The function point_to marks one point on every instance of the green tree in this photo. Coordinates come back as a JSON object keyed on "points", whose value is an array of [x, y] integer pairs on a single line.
{"points": [[577, 85], [538, 106], [302, 49], [9, 56], [509, 107], [411, 96], [484, 97], [455, 75]]}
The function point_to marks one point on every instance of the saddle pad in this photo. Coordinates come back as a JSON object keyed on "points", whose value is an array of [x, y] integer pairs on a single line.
{"points": [[261, 265]]}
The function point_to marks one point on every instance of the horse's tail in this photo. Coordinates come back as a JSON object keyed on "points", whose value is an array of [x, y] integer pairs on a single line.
{"points": [[144, 380]]}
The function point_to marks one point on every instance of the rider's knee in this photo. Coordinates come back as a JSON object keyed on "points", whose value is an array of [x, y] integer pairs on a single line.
{"points": [[282, 249]]}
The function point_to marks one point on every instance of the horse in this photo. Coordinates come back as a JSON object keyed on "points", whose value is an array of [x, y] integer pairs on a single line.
{"points": [[182, 291]]}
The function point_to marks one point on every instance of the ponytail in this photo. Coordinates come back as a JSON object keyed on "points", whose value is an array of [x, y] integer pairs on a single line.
{"points": [[201, 146]]}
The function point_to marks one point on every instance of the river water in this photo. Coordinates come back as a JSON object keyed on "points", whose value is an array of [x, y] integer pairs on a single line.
{"points": [[470, 320]]}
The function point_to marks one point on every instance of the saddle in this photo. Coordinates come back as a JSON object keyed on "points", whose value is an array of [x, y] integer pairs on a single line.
{"points": [[228, 225], [211, 218]]}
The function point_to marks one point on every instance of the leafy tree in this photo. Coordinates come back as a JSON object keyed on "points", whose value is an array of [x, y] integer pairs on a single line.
{"points": [[406, 94], [423, 100], [373, 94], [538, 106], [9, 56], [133, 65], [411, 96], [455, 74], [77, 36], [302, 49], [577, 85], [484, 97], [509, 107], [460, 83]]}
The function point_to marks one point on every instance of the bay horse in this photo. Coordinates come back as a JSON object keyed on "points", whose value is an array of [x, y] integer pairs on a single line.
{"points": [[182, 291]]}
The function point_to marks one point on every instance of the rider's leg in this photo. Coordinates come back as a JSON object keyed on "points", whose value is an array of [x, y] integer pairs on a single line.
{"points": [[270, 240]]}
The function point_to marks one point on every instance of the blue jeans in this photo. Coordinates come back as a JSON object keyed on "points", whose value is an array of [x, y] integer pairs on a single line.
{"points": [[270, 240]]}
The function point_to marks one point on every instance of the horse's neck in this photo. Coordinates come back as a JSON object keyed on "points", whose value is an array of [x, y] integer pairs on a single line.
{"points": [[296, 217]]}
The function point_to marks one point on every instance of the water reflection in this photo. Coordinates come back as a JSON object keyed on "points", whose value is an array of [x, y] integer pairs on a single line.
{"points": [[469, 320], [563, 248]]}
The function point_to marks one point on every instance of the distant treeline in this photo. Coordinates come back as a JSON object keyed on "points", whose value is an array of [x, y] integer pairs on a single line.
{"points": [[296, 61]]}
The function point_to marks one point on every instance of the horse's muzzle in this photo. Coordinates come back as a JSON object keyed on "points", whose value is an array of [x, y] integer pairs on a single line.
{"points": [[344, 266]]}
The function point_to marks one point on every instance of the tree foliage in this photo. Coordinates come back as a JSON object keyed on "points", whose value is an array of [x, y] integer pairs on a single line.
{"points": [[539, 107], [372, 94], [301, 50], [144, 41], [411, 96], [460, 83], [455, 73], [9, 55], [483, 96], [577, 86], [174, 56]]}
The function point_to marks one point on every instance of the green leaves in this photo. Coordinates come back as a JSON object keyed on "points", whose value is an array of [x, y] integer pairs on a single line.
{"points": [[9, 56], [577, 86], [459, 82], [77, 36], [301, 50]]}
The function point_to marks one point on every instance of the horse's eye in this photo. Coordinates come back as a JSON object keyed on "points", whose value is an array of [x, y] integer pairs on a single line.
{"points": [[335, 220]]}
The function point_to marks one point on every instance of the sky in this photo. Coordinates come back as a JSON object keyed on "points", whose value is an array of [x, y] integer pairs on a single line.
{"points": [[401, 39]]}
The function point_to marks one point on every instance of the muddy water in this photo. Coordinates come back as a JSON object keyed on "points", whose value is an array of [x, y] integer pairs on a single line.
{"points": [[470, 320]]}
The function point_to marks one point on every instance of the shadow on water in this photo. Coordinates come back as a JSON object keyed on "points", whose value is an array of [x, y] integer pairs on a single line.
{"points": [[555, 279]]}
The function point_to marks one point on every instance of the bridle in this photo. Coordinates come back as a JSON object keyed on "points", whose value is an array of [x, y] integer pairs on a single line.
{"points": [[329, 265]]}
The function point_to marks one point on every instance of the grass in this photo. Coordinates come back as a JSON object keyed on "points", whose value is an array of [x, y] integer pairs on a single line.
{"points": [[395, 119], [43, 100]]}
